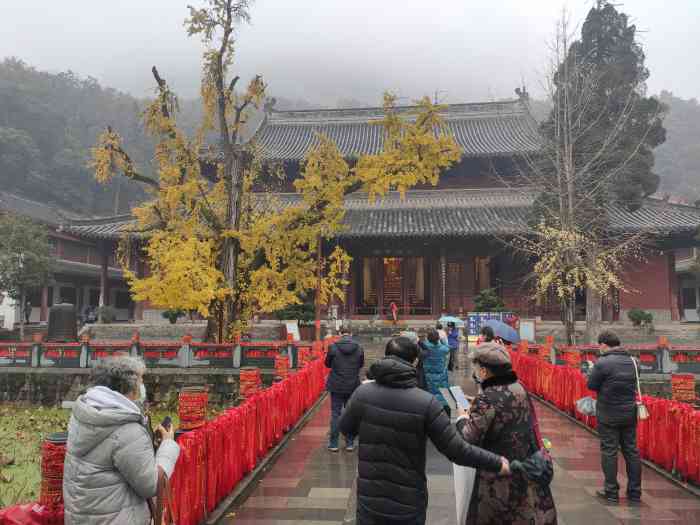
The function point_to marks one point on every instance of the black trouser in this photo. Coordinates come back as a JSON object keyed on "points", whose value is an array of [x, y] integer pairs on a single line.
{"points": [[613, 438], [452, 363], [338, 402]]}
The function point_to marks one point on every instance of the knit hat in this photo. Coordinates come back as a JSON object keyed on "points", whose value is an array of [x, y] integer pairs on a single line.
{"points": [[491, 354]]}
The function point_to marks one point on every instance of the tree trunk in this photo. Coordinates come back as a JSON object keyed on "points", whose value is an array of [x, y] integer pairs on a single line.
{"points": [[319, 276], [569, 319], [220, 319], [594, 315], [22, 313]]}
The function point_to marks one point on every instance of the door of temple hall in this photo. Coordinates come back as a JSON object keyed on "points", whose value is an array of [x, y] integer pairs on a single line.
{"points": [[404, 281]]}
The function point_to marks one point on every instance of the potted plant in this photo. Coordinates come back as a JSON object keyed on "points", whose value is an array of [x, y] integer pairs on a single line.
{"points": [[641, 318], [107, 314], [488, 301], [173, 314]]}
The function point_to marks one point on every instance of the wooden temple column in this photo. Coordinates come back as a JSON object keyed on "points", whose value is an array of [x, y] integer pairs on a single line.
{"points": [[104, 276], [443, 280], [405, 286], [139, 305], [44, 312], [435, 285], [380, 286]]}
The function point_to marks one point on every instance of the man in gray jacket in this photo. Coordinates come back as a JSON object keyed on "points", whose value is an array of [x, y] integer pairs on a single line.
{"points": [[110, 469], [614, 378]]}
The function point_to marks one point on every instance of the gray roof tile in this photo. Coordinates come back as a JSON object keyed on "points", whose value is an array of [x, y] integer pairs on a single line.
{"points": [[449, 213], [483, 129], [38, 211]]}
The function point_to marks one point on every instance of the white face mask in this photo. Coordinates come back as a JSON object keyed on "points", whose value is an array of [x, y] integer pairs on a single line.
{"points": [[142, 393]]}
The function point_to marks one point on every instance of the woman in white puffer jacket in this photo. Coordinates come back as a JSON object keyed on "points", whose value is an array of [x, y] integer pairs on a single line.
{"points": [[111, 469]]}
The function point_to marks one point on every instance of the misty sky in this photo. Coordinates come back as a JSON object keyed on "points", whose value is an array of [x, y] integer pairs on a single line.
{"points": [[326, 50]]}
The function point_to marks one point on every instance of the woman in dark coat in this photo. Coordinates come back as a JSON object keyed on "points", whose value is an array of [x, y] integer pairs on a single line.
{"points": [[499, 421]]}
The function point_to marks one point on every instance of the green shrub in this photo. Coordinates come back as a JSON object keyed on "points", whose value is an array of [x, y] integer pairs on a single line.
{"points": [[639, 317], [305, 313], [173, 315], [488, 301], [108, 314]]}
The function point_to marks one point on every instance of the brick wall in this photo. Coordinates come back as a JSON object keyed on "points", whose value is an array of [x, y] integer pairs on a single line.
{"points": [[651, 287]]}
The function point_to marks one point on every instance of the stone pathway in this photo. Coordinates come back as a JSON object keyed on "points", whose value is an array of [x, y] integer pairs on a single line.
{"points": [[309, 485]]}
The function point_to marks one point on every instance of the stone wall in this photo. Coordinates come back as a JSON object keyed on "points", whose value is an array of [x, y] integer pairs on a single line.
{"points": [[124, 331], [50, 387]]}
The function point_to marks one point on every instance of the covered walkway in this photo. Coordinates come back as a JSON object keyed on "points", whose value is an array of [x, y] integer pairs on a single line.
{"points": [[309, 485]]}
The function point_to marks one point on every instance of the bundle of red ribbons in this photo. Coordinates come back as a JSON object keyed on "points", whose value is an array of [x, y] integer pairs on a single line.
{"points": [[670, 437]]}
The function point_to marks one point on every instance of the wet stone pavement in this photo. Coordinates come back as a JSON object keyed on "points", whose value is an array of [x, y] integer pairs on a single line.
{"points": [[312, 486]]}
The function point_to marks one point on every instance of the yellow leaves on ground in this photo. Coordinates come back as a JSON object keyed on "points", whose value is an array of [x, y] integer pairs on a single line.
{"points": [[183, 274]]}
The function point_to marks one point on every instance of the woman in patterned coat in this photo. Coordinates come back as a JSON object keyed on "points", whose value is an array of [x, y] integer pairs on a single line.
{"points": [[499, 421]]}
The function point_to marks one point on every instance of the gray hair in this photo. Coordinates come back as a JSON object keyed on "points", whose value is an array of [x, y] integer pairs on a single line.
{"points": [[119, 373]]}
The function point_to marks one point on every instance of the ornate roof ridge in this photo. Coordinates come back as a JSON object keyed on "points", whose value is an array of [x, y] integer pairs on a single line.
{"points": [[513, 107], [45, 212], [106, 219]]}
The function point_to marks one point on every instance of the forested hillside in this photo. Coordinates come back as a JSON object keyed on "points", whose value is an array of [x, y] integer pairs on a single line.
{"points": [[678, 159], [48, 122]]}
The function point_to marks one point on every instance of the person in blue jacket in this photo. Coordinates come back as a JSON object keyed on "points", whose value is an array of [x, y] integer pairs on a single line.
{"points": [[453, 343], [435, 360]]}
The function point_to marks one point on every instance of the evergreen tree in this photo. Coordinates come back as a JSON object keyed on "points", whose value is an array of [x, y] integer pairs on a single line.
{"points": [[619, 126], [25, 259]]}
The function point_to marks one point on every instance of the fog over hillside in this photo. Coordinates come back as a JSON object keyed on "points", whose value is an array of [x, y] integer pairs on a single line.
{"points": [[312, 54]]}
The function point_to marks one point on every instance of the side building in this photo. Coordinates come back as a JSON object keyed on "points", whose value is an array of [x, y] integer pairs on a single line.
{"points": [[86, 270]]}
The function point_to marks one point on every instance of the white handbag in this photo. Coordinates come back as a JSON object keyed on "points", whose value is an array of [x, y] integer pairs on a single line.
{"points": [[642, 412]]}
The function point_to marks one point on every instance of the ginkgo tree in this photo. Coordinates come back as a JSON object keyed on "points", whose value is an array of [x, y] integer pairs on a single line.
{"points": [[213, 245]]}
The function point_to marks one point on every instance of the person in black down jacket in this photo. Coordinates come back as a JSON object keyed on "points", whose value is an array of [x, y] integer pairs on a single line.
{"points": [[613, 377], [345, 359], [394, 419]]}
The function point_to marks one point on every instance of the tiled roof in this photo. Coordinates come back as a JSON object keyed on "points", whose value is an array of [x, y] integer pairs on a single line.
{"points": [[484, 129], [447, 213], [482, 212], [103, 228], [38, 211]]}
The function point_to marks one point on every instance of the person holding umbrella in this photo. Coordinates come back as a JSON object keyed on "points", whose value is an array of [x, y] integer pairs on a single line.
{"points": [[453, 344], [503, 331]]}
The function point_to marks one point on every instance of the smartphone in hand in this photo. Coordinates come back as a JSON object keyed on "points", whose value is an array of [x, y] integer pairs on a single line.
{"points": [[459, 397], [167, 422]]}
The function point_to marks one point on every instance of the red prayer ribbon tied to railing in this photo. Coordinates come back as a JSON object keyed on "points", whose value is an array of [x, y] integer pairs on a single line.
{"points": [[670, 437], [215, 457]]}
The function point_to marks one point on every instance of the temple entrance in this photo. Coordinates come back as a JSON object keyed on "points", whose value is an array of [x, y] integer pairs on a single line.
{"points": [[393, 282], [404, 281]]}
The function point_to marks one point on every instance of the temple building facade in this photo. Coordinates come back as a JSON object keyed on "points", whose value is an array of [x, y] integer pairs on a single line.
{"points": [[433, 250], [428, 253]]}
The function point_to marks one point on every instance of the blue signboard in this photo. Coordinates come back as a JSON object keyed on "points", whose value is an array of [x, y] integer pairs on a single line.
{"points": [[476, 319]]}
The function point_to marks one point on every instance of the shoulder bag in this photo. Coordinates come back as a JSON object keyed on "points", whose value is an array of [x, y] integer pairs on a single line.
{"points": [[642, 412], [539, 466]]}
